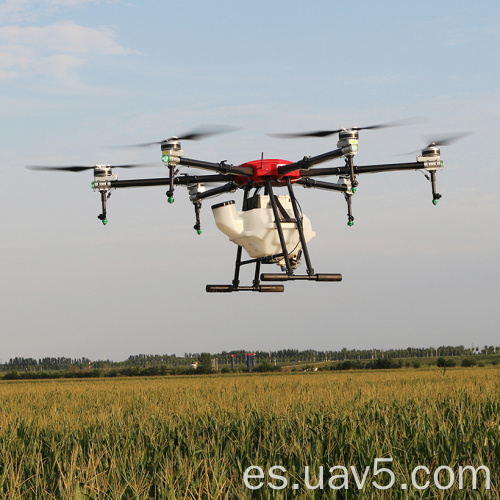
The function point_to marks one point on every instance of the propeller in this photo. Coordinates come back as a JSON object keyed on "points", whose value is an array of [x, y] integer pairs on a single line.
{"points": [[326, 133], [446, 140], [196, 134], [438, 141], [80, 168]]}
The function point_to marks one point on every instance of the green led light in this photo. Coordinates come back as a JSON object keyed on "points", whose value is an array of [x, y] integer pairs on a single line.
{"points": [[171, 199], [435, 202], [354, 147], [105, 221], [354, 190], [165, 158], [92, 185], [350, 223], [199, 231]]}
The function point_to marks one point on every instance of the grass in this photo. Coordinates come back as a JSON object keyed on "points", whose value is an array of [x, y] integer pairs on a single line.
{"points": [[194, 437]]}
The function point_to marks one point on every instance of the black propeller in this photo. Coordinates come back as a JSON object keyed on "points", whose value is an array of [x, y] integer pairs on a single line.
{"points": [[80, 168], [438, 141], [197, 134], [326, 133], [446, 140]]}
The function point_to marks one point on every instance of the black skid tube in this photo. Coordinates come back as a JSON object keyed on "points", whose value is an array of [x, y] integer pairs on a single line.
{"points": [[312, 277], [232, 288]]}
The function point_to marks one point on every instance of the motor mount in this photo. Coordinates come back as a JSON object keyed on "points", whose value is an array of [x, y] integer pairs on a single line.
{"points": [[103, 175], [348, 141]]}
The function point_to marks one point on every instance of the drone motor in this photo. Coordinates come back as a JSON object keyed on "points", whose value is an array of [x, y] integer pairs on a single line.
{"points": [[103, 175], [171, 151], [348, 141]]}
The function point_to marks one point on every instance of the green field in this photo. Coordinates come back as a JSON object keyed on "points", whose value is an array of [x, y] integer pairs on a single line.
{"points": [[195, 436]]}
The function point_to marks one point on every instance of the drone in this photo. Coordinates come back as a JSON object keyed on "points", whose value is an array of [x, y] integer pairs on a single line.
{"points": [[270, 227]]}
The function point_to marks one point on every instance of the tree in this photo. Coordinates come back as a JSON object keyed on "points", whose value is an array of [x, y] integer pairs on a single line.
{"points": [[204, 363], [442, 362], [467, 362]]}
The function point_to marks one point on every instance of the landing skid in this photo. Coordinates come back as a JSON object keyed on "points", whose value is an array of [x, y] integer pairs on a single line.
{"points": [[289, 275], [256, 288], [309, 277]]}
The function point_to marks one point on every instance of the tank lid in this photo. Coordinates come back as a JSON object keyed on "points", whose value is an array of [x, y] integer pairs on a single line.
{"points": [[218, 205]]}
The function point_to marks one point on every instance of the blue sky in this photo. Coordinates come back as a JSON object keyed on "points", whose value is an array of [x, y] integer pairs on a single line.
{"points": [[79, 76]]}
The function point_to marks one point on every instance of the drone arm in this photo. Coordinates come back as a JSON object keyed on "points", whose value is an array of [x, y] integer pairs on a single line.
{"points": [[369, 169], [165, 181], [389, 167], [312, 183], [431, 164], [309, 161], [319, 172], [221, 167], [350, 170], [226, 188]]}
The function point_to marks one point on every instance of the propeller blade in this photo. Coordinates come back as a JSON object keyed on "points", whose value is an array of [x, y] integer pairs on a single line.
{"points": [[317, 133], [143, 145], [443, 140], [446, 140], [80, 168], [416, 120], [70, 168], [135, 165], [326, 133], [196, 134], [206, 131]]}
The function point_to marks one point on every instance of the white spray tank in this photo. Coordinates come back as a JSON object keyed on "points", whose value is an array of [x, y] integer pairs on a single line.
{"points": [[254, 228]]}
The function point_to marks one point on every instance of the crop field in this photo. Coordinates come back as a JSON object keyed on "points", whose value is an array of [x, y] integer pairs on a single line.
{"points": [[372, 434]]}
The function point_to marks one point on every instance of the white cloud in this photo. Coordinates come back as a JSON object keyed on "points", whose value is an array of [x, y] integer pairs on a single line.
{"points": [[75, 3], [67, 37], [61, 66], [15, 56], [12, 11], [7, 75], [14, 59], [55, 49]]}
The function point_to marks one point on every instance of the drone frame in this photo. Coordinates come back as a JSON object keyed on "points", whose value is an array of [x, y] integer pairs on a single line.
{"points": [[268, 173]]}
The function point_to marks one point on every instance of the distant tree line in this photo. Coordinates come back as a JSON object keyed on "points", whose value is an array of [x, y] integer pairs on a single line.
{"points": [[60, 363], [314, 356], [156, 363], [443, 362], [205, 363]]}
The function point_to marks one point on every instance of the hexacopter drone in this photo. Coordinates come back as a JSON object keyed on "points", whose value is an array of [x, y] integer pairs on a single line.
{"points": [[270, 228]]}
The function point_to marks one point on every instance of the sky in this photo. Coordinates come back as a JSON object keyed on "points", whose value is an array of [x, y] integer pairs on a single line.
{"points": [[80, 76]]}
